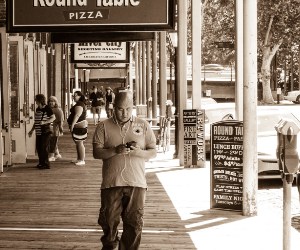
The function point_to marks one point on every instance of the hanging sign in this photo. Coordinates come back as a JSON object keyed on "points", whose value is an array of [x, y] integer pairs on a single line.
{"points": [[227, 165], [194, 137], [100, 52], [87, 15]]}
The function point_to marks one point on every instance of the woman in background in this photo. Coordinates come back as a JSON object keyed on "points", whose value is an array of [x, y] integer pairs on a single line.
{"points": [[78, 126], [109, 101], [57, 128]]}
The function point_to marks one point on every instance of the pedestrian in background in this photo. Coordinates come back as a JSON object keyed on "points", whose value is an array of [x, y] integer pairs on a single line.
{"points": [[78, 126], [97, 99], [43, 117], [124, 143], [57, 128], [109, 102]]}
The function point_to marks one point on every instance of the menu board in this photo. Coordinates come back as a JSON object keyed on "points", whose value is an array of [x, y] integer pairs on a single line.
{"points": [[194, 137], [226, 159]]}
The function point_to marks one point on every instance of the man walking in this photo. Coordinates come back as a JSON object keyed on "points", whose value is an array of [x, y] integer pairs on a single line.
{"points": [[97, 99], [124, 143]]}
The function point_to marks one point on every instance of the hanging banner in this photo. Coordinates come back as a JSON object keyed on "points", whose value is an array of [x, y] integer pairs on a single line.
{"points": [[226, 157], [100, 52], [87, 15]]}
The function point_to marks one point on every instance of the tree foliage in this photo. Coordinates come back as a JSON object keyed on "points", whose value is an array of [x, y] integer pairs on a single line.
{"points": [[217, 26], [278, 34]]}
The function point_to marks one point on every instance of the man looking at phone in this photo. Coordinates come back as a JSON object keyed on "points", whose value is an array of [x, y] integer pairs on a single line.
{"points": [[124, 143]]}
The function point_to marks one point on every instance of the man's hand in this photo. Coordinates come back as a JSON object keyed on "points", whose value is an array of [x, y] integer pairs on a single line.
{"points": [[135, 150], [122, 149]]}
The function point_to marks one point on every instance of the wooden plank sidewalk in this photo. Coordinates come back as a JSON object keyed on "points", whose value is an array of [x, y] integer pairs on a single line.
{"points": [[58, 208]]}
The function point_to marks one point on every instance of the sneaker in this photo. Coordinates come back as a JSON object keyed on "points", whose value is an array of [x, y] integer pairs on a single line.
{"points": [[52, 158], [58, 156], [75, 161], [80, 163]]}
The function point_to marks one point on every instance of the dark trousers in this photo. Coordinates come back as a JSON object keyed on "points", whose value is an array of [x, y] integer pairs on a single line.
{"points": [[126, 203], [53, 144], [42, 148]]}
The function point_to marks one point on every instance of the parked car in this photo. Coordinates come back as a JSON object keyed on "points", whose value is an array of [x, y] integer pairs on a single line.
{"points": [[267, 140], [212, 67], [293, 96], [267, 118], [204, 102]]}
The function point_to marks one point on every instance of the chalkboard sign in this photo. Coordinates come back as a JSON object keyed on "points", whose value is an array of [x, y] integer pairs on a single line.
{"points": [[227, 165], [194, 137]]}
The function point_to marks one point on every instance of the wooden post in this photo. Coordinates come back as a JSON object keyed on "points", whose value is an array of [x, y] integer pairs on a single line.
{"points": [[162, 73], [137, 74], [148, 80], [250, 181], [144, 65], [141, 72], [154, 78], [196, 65], [182, 78], [67, 75], [58, 73]]}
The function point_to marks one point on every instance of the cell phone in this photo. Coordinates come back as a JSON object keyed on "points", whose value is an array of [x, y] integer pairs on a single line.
{"points": [[130, 143]]}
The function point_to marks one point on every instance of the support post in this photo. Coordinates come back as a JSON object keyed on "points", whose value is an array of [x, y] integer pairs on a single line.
{"points": [[196, 65], [144, 66], [154, 79], [162, 73], [148, 81], [239, 59], [137, 74], [250, 169], [182, 78]]}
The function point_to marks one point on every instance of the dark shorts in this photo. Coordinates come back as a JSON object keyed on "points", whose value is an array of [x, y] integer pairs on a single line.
{"points": [[79, 134]]}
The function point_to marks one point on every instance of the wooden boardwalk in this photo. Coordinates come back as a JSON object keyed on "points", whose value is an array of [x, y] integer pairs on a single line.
{"points": [[58, 208]]}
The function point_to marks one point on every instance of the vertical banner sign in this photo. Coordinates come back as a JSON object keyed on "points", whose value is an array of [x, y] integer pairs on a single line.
{"points": [[227, 165], [194, 137]]}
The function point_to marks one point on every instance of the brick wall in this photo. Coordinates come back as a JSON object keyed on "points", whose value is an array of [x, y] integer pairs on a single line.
{"points": [[2, 10]]}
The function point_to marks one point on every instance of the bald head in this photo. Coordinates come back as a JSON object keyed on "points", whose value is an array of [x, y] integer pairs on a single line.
{"points": [[123, 106], [124, 97]]}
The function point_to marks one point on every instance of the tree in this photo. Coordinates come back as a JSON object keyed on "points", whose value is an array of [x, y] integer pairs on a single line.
{"points": [[278, 30], [217, 25], [278, 24]]}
